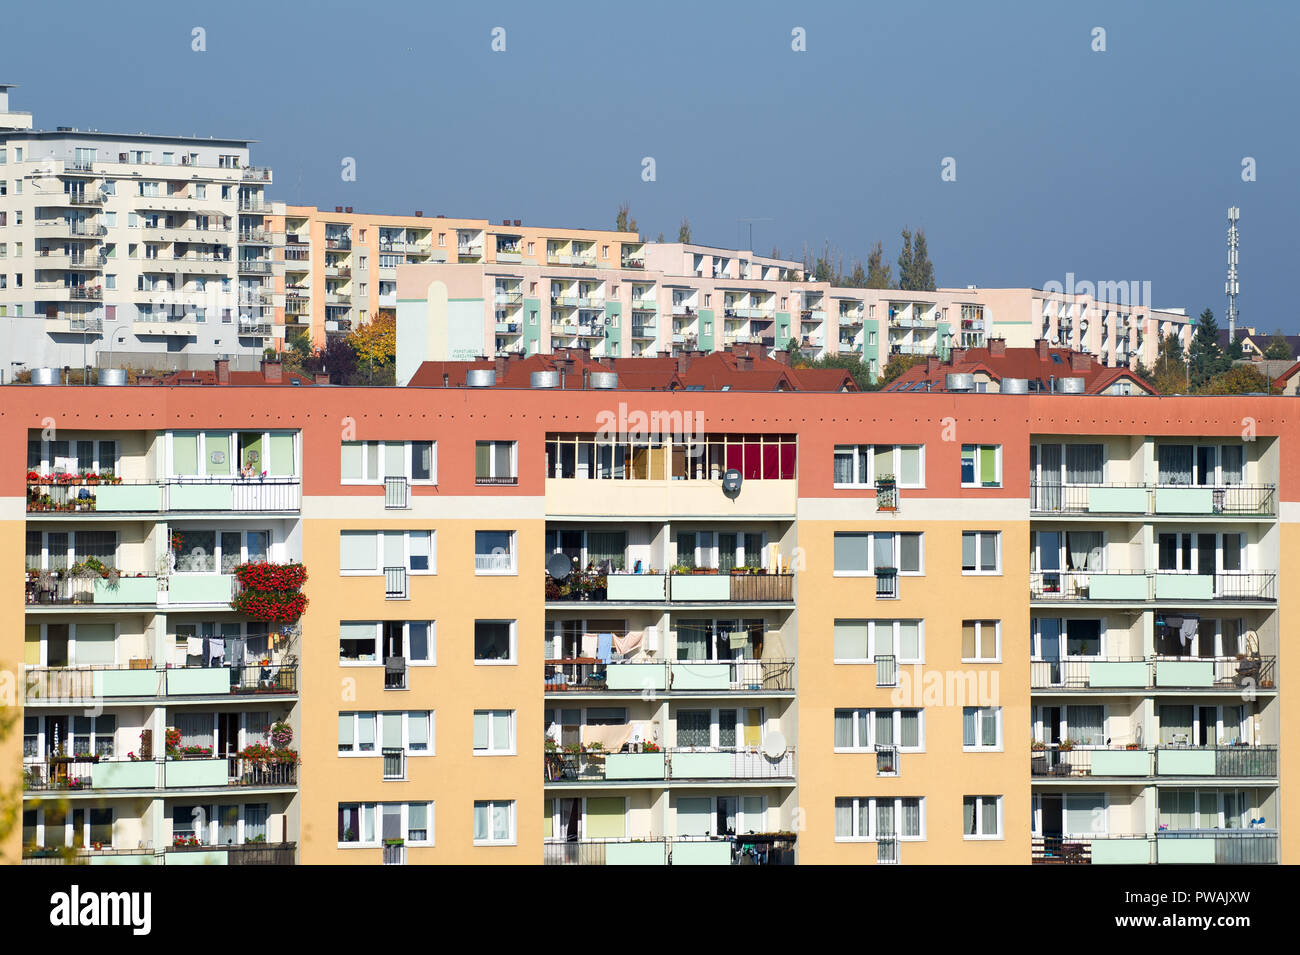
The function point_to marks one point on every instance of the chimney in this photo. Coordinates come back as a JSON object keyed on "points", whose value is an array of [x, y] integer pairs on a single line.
{"points": [[338, 208], [997, 347], [348, 210], [957, 354], [499, 363], [586, 378], [517, 222], [683, 361], [321, 378], [1080, 361], [146, 380], [223, 371], [932, 364], [781, 355], [419, 213], [1042, 345], [446, 380], [505, 221], [271, 370]]}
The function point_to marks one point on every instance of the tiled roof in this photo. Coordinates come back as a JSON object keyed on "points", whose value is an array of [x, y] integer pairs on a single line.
{"points": [[1039, 365]]}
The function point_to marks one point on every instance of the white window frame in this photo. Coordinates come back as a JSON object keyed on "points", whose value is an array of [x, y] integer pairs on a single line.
{"points": [[892, 640], [374, 811], [864, 728], [978, 836], [997, 571], [232, 450], [981, 716], [490, 805], [492, 458], [378, 715], [997, 464], [494, 717], [380, 450], [406, 644], [997, 642], [873, 801], [512, 553], [513, 659], [378, 571], [868, 480], [896, 550]]}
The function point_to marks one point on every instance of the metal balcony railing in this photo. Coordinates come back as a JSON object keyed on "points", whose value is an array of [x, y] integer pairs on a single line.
{"points": [[394, 855], [395, 673], [886, 760], [397, 493], [394, 763], [1243, 500], [395, 583], [886, 670], [1231, 847], [1146, 585], [54, 684], [886, 583]]}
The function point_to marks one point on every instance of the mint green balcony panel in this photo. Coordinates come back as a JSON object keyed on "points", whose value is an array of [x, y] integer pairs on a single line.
{"points": [[127, 590], [132, 859], [1120, 852], [179, 773], [701, 676], [214, 857], [200, 589], [714, 587], [1184, 500], [1184, 673], [630, 587], [702, 853], [701, 766], [634, 766], [1191, 762], [201, 497], [128, 497], [124, 775], [207, 681], [1117, 500], [636, 676], [1194, 851], [1108, 673], [108, 683], [1132, 587], [1121, 762], [1184, 587], [636, 853]]}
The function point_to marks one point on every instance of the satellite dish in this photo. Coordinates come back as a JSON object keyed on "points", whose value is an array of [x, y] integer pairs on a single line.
{"points": [[774, 745], [559, 566], [731, 482]]}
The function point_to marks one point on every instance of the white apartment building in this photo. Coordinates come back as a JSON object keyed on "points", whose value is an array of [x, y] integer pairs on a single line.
{"points": [[131, 249]]}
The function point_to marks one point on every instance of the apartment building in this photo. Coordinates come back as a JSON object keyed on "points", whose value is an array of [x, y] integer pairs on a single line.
{"points": [[622, 626], [136, 249], [683, 298]]}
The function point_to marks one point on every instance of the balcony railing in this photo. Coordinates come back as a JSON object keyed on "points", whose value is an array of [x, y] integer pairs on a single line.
{"points": [[1240, 500], [397, 492], [886, 670], [1136, 762], [1140, 586], [1079, 850], [395, 673], [680, 764], [395, 583], [394, 763], [37, 855], [58, 684], [90, 590], [114, 773], [1117, 673], [678, 588], [1226, 846], [247, 853], [394, 855], [71, 493], [589, 675]]}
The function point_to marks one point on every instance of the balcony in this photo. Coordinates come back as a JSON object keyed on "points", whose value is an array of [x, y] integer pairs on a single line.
{"points": [[1228, 500], [68, 855], [50, 589], [1142, 673], [748, 849], [57, 685], [248, 853], [1244, 762], [1217, 846], [254, 266], [590, 675], [255, 174], [1134, 849], [675, 588], [707, 764], [254, 204], [56, 495], [1142, 586], [99, 774]]}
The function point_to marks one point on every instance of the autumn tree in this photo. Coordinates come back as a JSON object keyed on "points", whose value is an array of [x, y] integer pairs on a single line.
{"points": [[879, 275], [684, 231], [1240, 380]]}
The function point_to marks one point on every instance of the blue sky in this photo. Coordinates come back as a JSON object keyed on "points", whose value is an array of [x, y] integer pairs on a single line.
{"points": [[1115, 166]]}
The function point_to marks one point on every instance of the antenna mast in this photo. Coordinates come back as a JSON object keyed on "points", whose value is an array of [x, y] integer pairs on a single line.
{"points": [[1232, 286]]}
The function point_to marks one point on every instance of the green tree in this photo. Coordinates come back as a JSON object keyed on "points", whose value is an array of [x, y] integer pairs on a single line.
{"points": [[922, 269], [1205, 358], [896, 365], [1169, 374], [850, 363], [859, 277], [1278, 347], [624, 221], [906, 263], [1240, 380], [879, 275], [684, 231], [796, 353]]}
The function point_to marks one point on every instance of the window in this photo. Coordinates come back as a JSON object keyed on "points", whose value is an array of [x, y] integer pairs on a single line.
{"points": [[981, 727], [202, 551], [369, 733], [981, 552], [494, 823], [230, 454], [494, 462], [861, 641], [372, 824], [415, 641], [865, 819], [370, 462], [862, 554], [862, 730], [494, 732], [494, 552], [981, 641], [982, 817], [369, 552], [861, 465], [494, 642], [981, 465]]}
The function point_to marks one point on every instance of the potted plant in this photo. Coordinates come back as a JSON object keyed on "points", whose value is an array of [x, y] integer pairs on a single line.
{"points": [[281, 735], [1038, 746], [1133, 746], [1065, 745]]}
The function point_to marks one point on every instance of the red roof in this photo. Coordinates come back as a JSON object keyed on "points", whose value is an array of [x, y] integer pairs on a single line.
{"points": [[739, 370], [1039, 365], [269, 375]]}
